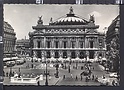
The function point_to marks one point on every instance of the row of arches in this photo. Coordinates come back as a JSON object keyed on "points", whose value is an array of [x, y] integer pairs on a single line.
{"points": [[73, 54]]}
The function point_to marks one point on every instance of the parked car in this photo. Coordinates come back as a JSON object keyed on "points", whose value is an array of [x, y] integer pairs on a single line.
{"points": [[113, 75], [10, 63], [103, 81], [20, 62]]}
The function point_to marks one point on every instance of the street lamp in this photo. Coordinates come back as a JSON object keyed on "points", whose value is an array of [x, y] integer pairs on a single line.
{"points": [[69, 66], [46, 82], [57, 66], [65, 61]]}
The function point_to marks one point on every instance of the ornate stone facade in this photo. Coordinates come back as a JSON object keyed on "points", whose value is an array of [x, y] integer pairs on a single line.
{"points": [[113, 44], [69, 37], [9, 40]]}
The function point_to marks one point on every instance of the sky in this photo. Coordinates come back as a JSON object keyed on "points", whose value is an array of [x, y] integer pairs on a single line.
{"points": [[23, 16]]}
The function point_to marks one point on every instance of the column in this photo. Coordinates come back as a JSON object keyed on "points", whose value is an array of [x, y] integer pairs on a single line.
{"points": [[77, 54], [77, 42], [35, 43], [86, 43], [43, 58], [53, 43], [40, 43], [52, 54], [60, 54], [96, 56], [96, 42], [60, 43], [87, 53]]}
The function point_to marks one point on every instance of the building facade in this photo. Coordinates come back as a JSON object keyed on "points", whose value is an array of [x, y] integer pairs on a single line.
{"points": [[23, 47], [113, 44], [69, 37], [9, 37]]}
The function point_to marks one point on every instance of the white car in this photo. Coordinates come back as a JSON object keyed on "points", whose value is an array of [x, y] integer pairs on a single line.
{"points": [[104, 81], [113, 75]]}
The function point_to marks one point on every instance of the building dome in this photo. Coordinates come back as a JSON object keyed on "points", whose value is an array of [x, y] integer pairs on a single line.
{"points": [[70, 19]]}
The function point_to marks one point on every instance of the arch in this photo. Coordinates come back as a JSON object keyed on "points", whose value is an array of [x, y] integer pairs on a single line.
{"points": [[39, 54], [65, 54], [81, 55], [56, 54], [73, 54], [48, 54], [91, 54]]}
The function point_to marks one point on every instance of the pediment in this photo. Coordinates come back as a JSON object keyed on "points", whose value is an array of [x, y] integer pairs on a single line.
{"points": [[92, 32]]}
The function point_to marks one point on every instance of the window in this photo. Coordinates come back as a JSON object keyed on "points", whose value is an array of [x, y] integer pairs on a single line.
{"points": [[48, 44], [73, 54], [91, 44], [38, 44], [64, 54], [65, 44], [56, 44], [81, 44], [48, 54], [73, 44], [56, 54]]}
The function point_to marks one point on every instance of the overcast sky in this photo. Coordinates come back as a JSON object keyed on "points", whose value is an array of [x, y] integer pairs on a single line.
{"points": [[23, 17]]}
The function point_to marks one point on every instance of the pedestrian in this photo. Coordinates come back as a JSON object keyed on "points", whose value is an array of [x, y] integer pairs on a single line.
{"points": [[96, 78], [44, 73], [7, 74], [13, 73], [93, 77], [81, 77], [76, 78], [86, 79], [103, 76], [113, 83], [93, 68], [38, 83], [71, 75], [63, 76], [81, 67]]}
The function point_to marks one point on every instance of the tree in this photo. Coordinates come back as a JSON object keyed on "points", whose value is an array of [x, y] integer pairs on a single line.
{"points": [[114, 53]]}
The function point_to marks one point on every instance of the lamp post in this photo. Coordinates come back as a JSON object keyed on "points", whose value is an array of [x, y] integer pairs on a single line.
{"points": [[32, 59], [65, 61], [57, 66], [69, 66], [46, 82]]}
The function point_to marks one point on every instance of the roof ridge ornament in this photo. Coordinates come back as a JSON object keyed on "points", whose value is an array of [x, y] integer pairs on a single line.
{"points": [[51, 21], [92, 19], [71, 10], [40, 21]]}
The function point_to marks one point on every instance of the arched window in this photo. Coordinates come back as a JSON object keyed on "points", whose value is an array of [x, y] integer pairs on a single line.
{"points": [[56, 44], [48, 44], [38, 44], [91, 44], [73, 44], [91, 54], [64, 54], [48, 54], [65, 44], [81, 44], [39, 54], [73, 54], [81, 55], [56, 54]]}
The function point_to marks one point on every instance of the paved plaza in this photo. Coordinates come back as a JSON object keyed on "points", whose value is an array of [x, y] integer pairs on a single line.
{"points": [[69, 79]]}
